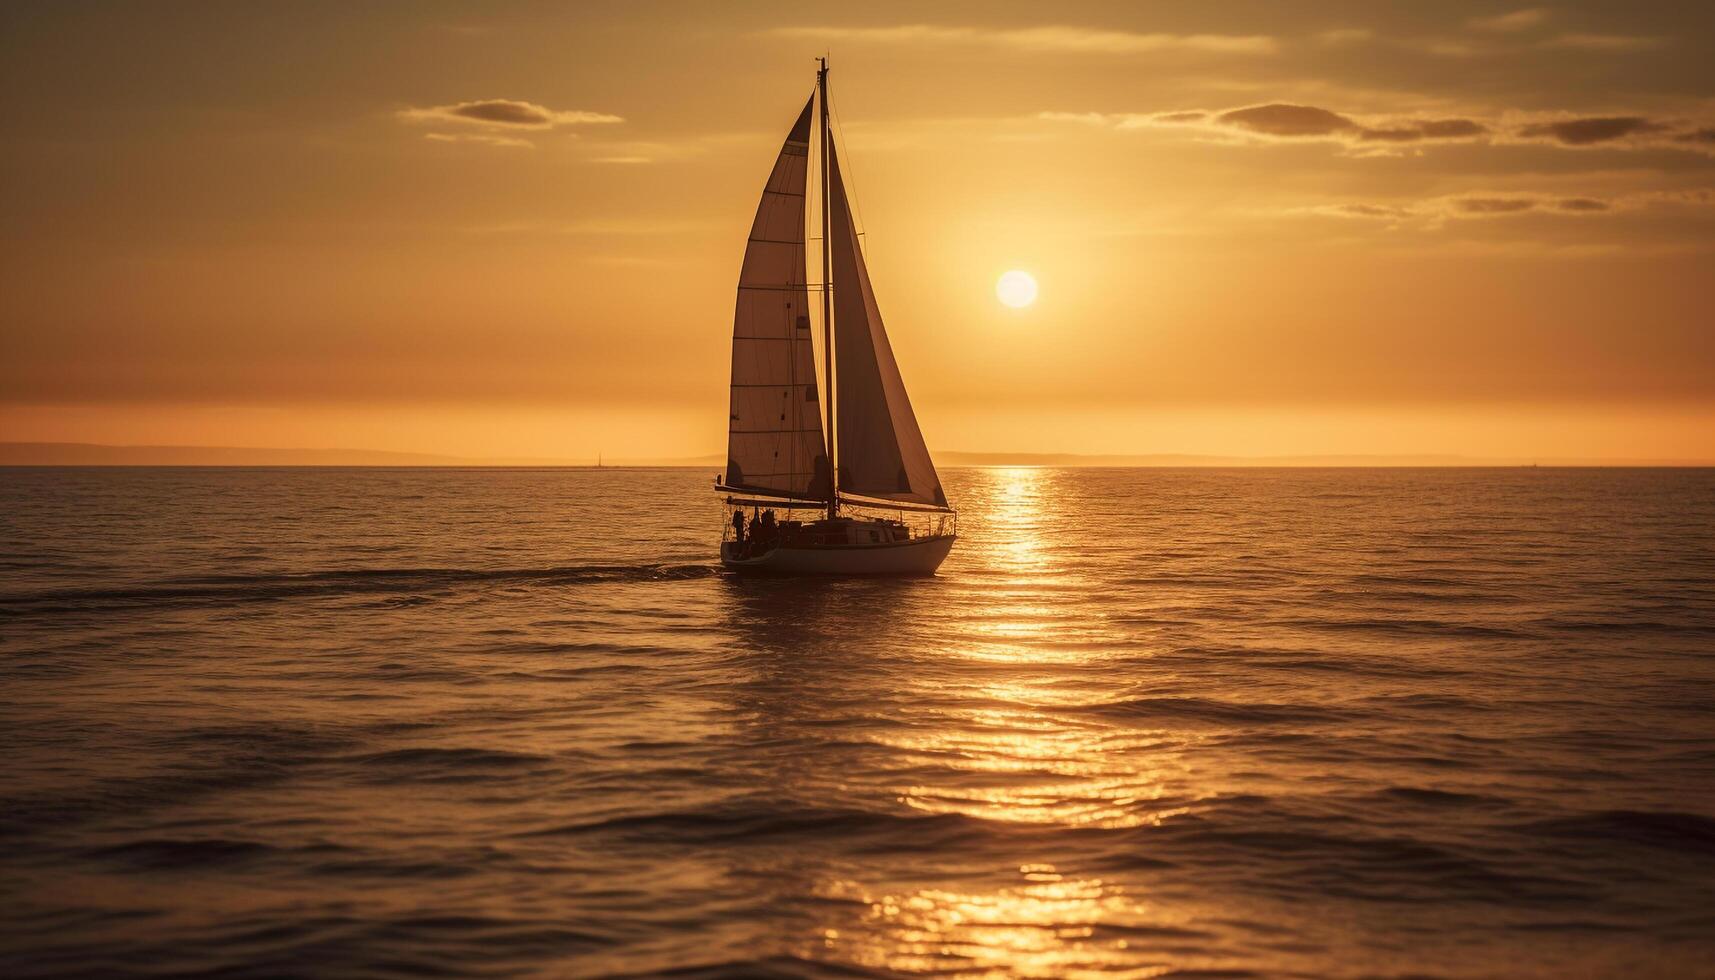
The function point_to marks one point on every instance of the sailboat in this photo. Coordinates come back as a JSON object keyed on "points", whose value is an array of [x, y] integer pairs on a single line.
{"points": [[836, 479]]}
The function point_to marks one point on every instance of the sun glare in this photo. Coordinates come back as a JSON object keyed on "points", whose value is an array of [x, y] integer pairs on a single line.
{"points": [[1016, 289]]}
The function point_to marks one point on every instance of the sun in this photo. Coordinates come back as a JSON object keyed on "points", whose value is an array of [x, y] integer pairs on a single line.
{"points": [[1016, 289]]}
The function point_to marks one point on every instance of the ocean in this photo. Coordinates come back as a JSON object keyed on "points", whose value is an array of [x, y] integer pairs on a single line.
{"points": [[1151, 722]]}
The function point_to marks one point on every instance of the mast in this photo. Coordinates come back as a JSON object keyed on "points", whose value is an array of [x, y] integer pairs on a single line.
{"points": [[827, 301]]}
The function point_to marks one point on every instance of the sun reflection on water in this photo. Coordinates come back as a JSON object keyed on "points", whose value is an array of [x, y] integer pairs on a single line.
{"points": [[1021, 766], [1032, 605], [1046, 924], [1014, 514], [1014, 749], [1000, 719]]}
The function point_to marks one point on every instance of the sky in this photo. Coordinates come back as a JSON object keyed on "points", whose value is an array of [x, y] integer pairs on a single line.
{"points": [[515, 229]]}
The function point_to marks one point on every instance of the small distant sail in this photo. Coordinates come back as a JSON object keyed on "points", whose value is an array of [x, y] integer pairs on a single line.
{"points": [[881, 449], [774, 436]]}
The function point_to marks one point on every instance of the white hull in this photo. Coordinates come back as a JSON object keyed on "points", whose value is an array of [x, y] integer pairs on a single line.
{"points": [[919, 556]]}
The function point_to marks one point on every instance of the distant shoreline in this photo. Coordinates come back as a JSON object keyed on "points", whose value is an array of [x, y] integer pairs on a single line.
{"points": [[65, 454]]}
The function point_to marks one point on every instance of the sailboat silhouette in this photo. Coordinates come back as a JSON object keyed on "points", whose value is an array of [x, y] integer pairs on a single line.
{"points": [[859, 452]]}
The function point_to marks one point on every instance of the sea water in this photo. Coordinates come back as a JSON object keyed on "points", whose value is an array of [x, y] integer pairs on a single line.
{"points": [[1250, 722]]}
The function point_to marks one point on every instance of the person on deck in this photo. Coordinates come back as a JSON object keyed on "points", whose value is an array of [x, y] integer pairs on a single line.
{"points": [[738, 526]]}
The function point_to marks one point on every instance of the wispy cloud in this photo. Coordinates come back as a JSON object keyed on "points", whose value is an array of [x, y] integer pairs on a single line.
{"points": [[1285, 120], [498, 122], [1515, 33], [506, 113], [486, 139], [1621, 43], [1281, 121], [1581, 131], [1045, 39], [1518, 20], [1290, 122], [1341, 36], [1490, 206], [642, 152], [1432, 213], [1389, 212], [591, 227]]}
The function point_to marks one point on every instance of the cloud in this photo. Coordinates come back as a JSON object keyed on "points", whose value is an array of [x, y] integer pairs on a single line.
{"points": [[1045, 39], [505, 114], [601, 227], [1518, 20], [1590, 130], [1125, 120], [1382, 135], [1432, 213], [1121, 42], [1387, 212], [1344, 35], [1497, 205], [1524, 20], [1087, 118], [1282, 119], [1493, 205], [1451, 48], [640, 152], [1605, 42], [1285, 121], [1424, 130], [1450, 129], [1505, 221], [487, 139]]}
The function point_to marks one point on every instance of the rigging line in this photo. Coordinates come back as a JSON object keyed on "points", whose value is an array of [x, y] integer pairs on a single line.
{"points": [[792, 349], [849, 172]]}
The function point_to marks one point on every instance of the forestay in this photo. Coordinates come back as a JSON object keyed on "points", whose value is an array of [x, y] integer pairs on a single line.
{"points": [[881, 449], [774, 436]]}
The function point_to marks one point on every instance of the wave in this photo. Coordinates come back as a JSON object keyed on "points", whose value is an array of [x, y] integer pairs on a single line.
{"points": [[1692, 626], [334, 860], [1213, 711], [24, 814], [783, 967], [1405, 627], [1441, 798], [1295, 861], [337, 943], [1663, 829], [158, 854], [334, 582], [438, 765], [766, 820]]}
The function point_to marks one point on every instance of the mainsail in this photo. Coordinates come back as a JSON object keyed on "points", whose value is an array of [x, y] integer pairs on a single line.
{"points": [[881, 453], [774, 436]]}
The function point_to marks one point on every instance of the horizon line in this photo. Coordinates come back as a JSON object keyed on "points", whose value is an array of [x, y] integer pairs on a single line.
{"points": [[48, 454]]}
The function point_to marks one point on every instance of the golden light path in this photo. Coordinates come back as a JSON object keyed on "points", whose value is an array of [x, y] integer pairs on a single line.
{"points": [[1006, 751], [1047, 925]]}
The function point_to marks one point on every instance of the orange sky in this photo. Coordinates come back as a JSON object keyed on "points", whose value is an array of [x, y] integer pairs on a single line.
{"points": [[515, 230]]}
